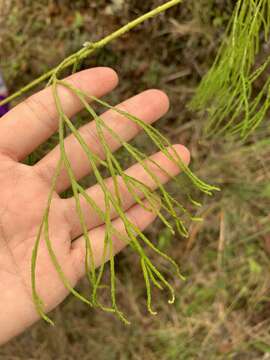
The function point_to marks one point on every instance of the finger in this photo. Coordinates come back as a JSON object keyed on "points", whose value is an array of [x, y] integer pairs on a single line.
{"points": [[138, 172], [137, 215], [149, 106], [33, 121]]}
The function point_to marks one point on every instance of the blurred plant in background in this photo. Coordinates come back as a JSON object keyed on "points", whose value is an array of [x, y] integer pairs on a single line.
{"points": [[236, 90]]}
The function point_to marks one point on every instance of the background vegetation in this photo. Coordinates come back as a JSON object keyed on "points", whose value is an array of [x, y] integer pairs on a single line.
{"points": [[222, 310]]}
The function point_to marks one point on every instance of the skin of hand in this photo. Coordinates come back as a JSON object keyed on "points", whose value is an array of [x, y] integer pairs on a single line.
{"points": [[24, 193]]}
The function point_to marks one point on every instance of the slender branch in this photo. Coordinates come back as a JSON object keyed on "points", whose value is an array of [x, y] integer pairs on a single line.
{"points": [[90, 48], [156, 202]]}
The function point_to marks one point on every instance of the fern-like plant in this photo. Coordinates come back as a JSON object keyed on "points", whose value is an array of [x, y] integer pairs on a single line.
{"points": [[229, 91], [162, 203]]}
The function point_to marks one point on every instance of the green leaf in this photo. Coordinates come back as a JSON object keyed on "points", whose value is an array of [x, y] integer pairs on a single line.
{"points": [[79, 20], [254, 267], [262, 346]]}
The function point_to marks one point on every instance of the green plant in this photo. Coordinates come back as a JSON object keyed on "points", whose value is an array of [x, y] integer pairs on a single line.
{"points": [[236, 90], [162, 200]]}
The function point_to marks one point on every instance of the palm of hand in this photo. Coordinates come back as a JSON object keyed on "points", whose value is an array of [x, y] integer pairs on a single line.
{"points": [[24, 194]]}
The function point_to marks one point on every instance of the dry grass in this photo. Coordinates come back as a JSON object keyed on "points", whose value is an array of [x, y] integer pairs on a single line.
{"points": [[223, 310]]}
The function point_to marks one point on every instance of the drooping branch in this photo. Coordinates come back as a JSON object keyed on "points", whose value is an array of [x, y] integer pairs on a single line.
{"points": [[228, 92], [161, 203]]}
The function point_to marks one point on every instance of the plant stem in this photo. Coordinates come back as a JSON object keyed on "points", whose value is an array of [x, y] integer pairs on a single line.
{"points": [[90, 48]]}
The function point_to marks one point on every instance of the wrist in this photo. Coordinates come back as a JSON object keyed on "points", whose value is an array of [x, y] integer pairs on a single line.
{"points": [[17, 310]]}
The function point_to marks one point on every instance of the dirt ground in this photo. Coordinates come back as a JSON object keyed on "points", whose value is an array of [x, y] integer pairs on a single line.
{"points": [[222, 311]]}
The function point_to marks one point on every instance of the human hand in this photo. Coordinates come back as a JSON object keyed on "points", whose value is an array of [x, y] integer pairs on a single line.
{"points": [[24, 192]]}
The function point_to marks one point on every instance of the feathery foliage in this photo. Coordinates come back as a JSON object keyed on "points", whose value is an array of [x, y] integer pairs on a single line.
{"points": [[229, 91], [160, 203]]}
